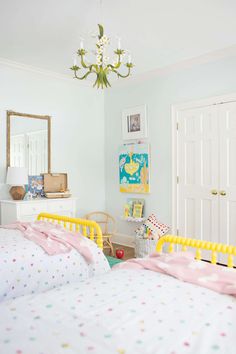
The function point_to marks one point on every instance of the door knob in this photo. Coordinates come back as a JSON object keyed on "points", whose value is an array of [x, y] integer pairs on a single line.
{"points": [[222, 192], [214, 192]]}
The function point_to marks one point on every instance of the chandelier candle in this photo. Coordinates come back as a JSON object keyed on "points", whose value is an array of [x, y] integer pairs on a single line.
{"points": [[101, 68], [118, 43], [81, 44]]}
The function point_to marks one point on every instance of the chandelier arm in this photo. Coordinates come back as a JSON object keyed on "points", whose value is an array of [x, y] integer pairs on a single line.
{"points": [[120, 75], [94, 68], [83, 63], [84, 76], [115, 66]]}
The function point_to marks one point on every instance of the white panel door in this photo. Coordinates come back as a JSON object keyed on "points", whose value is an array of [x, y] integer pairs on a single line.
{"points": [[198, 171], [227, 186]]}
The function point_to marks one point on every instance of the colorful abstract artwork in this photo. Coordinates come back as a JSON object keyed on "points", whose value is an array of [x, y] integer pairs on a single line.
{"points": [[134, 166], [36, 186]]}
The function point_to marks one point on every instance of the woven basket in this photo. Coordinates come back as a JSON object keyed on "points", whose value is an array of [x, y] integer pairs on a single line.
{"points": [[144, 247]]}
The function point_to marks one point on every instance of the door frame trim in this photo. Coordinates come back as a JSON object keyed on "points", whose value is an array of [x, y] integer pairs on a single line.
{"points": [[175, 108]]}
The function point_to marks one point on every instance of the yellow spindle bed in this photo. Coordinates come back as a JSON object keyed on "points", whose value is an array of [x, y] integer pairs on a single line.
{"points": [[86, 227], [90, 228], [185, 242]]}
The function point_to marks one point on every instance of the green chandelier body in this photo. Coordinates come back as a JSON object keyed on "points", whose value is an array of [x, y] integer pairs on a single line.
{"points": [[102, 68]]}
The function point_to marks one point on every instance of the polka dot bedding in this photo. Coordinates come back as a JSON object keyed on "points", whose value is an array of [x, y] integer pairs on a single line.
{"points": [[25, 268], [121, 312]]}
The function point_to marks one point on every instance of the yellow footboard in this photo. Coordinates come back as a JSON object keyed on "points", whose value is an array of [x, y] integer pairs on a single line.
{"points": [[88, 228], [185, 242]]}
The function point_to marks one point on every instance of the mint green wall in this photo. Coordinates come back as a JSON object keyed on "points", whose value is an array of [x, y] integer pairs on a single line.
{"points": [[159, 93], [77, 129]]}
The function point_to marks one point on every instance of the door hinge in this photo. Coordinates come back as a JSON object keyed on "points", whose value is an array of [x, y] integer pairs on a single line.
{"points": [[177, 126], [177, 179], [177, 232]]}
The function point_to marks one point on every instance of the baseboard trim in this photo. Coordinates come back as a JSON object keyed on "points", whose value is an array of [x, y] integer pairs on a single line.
{"points": [[123, 239]]}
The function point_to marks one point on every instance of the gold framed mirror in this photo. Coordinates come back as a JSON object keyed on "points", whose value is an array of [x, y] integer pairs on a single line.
{"points": [[29, 142]]}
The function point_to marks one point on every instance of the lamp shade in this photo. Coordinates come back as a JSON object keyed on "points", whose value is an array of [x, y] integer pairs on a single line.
{"points": [[17, 176]]}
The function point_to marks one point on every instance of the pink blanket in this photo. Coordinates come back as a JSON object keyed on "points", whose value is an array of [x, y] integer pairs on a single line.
{"points": [[53, 238], [183, 266]]}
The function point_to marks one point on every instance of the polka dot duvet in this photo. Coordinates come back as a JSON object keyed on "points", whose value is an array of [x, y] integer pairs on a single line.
{"points": [[121, 312], [25, 268]]}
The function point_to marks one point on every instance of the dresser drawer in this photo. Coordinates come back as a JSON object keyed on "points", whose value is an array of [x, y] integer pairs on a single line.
{"points": [[12, 211], [31, 208], [61, 205], [28, 218]]}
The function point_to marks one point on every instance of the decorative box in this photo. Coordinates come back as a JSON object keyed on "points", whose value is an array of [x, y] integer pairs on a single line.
{"points": [[55, 182]]}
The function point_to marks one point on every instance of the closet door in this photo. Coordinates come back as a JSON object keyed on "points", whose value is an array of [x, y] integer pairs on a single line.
{"points": [[227, 171], [198, 169]]}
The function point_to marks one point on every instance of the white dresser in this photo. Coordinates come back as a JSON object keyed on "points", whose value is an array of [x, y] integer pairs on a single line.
{"points": [[28, 210]]}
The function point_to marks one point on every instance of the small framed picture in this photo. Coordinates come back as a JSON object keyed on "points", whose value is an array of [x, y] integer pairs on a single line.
{"points": [[36, 186], [134, 123]]}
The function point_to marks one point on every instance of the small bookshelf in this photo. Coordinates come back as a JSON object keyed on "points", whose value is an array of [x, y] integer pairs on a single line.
{"points": [[134, 210], [132, 219]]}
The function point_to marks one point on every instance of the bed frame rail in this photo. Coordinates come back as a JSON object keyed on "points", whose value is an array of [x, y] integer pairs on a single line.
{"points": [[88, 228], [213, 247]]}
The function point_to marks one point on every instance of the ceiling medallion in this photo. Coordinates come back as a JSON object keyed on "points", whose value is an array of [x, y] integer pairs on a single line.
{"points": [[101, 68]]}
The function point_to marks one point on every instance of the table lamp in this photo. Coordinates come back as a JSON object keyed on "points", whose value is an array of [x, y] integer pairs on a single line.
{"points": [[17, 177]]}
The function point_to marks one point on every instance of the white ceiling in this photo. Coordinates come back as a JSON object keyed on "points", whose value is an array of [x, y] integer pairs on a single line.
{"points": [[158, 33]]}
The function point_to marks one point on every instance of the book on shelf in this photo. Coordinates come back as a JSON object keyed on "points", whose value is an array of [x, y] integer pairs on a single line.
{"points": [[134, 208]]}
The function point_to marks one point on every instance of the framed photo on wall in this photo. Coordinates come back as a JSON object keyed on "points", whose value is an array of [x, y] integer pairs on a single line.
{"points": [[134, 123]]}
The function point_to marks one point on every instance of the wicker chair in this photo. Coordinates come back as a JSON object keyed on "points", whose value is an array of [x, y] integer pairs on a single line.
{"points": [[108, 226]]}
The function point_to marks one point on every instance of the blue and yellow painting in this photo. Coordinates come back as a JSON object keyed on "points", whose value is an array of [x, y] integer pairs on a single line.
{"points": [[134, 168]]}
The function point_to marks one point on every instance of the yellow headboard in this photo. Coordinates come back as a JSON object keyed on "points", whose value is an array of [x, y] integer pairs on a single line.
{"points": [[199, 245], [88, 228]]}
